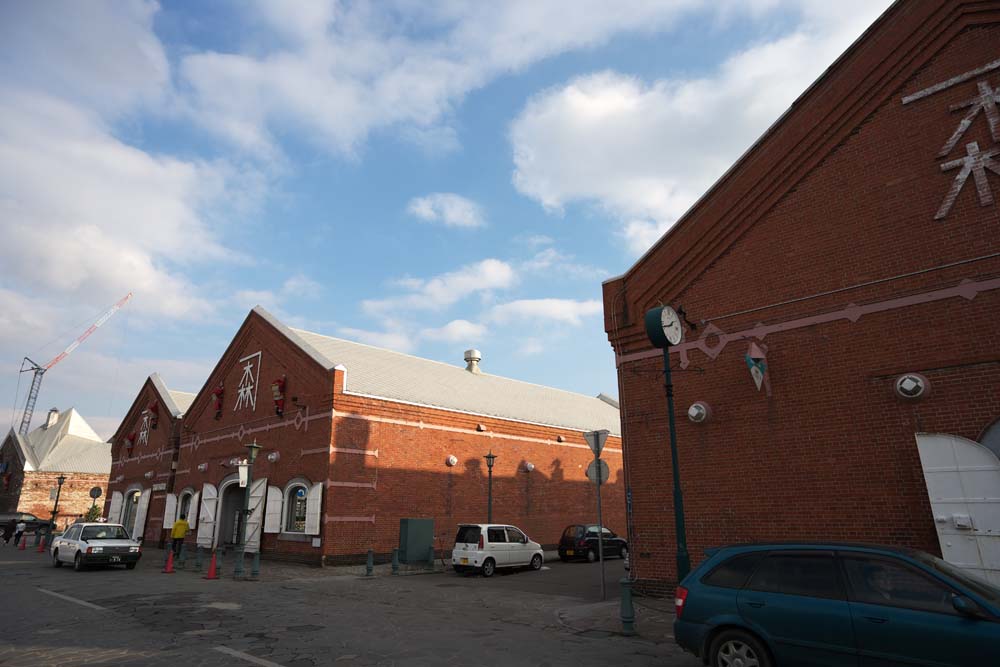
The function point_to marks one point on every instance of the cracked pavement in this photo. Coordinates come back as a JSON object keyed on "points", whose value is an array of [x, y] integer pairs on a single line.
{"points": [[296, 616]]}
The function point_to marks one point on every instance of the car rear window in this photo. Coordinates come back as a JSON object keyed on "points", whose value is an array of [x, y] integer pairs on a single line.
{"points": [[468, 535], [573, 531], [734, 572], [104, 533], [793, 574]]}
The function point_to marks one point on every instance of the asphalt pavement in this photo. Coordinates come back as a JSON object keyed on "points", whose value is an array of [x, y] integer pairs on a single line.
{"points": [[296, 616]]}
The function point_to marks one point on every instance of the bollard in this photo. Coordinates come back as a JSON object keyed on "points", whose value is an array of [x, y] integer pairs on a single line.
{"points": [[430, 558], [182, 558], [370, 563], [221, 552], [197, 559], [627, 610], [38, 533], [170, 550], [255, 566], [395, 561]]}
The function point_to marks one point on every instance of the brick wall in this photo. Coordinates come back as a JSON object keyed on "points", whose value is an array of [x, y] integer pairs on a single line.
{"points": [[74, 499], [831, 455]]}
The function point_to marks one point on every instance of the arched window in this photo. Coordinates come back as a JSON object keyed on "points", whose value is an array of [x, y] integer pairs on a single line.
{"points": [[130, 508], [184, 506], [296, 499]]}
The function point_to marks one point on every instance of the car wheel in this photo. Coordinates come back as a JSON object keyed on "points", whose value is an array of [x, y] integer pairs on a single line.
{"points": [[78, 563], [624, 552], [735, 648], [536, 562], [489, 567], [129, 566], [591, 556], [55, 559]]}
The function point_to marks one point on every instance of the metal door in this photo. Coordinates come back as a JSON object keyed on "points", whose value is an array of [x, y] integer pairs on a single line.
{"points": [[963, 485]]}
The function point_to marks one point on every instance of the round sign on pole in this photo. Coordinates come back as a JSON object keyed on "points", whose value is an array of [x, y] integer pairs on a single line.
{"points": [[95, 492], [592, 469]]}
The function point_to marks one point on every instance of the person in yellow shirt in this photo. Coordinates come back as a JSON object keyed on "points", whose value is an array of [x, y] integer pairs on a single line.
{"points": [[178, 533]]}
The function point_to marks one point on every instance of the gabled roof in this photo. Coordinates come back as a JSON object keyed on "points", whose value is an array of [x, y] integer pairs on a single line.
{"points": [[176, 401], [380, 373], [68, 445], [897, 44]]}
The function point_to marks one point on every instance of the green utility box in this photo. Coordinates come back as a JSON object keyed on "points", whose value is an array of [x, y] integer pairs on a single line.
{"points": [[416, 537]]}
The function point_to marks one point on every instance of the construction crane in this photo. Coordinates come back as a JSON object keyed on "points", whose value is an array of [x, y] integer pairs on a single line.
{"points": [[36, 381]]}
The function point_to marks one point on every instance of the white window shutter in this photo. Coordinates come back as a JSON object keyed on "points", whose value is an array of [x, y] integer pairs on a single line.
{"points": [[170, 511], [272, 515], [193, 510], [257, 491], [206, 516], [314, 509], [138, 531], [115, 511]]}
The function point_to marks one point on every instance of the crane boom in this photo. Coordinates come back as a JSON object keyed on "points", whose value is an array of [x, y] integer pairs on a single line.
{"points": [[39, 371]]}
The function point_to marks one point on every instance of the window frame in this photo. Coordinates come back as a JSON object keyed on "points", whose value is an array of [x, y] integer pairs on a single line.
{"points": [[524, 538], [760, 555], [489, 537], [802, 553], [912, 569], [287, 504]]}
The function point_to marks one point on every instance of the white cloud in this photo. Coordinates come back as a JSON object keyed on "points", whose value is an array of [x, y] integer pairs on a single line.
{"points": [[456, 331], [563, 311], [643, 152], [341, 71], [447, 208], [296, 287], [449, 288], [392, 340], [552, 262]]}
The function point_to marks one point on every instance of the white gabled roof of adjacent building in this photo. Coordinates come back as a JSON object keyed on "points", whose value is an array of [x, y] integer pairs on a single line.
{"points": [[380, 373], [176, 401], [68, 445]]}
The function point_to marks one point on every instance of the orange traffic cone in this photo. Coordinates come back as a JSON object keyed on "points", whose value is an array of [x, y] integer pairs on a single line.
{"points": [[41, 545], [211, 569], [24, 541], [169, 569]]}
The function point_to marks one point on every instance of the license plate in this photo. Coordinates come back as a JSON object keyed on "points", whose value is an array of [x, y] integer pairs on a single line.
{"points": [[569, 552], [465, 561], [115, 559]]}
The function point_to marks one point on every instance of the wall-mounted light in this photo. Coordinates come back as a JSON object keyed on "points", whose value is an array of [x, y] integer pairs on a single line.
{"points": [[699, 412], [912, 386], [529, 467], [235, 461], [451, 461], [149, 474], [559, 438], [202, 467], [480, 428], [273, 457]]}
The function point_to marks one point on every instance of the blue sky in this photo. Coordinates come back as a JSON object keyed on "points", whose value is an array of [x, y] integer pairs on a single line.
{"points": [[426, 177]]}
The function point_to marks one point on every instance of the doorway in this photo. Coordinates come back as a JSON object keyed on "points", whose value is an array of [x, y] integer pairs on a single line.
{"points": [[963, 486], [230, 510], [129, 510]]}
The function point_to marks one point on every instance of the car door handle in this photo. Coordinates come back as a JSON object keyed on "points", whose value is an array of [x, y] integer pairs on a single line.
{"points": [[876, 619], [755, 604]]}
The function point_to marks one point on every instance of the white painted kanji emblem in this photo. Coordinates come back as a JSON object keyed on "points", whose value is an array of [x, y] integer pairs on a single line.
{"points": [[144, 430], [986, 103], [975, 162], [246, 391]]}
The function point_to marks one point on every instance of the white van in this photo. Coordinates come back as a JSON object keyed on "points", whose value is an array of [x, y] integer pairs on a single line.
{"points": [[483, 547]]}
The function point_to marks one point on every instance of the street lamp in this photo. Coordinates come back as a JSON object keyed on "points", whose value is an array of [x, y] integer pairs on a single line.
{"points": [[60, 480], [490, 458], [246, 472], [664, 329]]}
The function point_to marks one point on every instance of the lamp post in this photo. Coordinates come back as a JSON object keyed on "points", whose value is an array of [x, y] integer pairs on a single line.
{"points": [[241, 535], [664, 329], [490, 458], [60, 480]]}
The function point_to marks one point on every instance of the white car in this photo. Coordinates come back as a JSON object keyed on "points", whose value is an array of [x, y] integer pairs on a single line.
{"points": [[483, 547], [85, 544]]}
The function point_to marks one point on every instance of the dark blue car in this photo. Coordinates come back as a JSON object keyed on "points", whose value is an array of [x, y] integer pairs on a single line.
{"points": [[833, 605]]}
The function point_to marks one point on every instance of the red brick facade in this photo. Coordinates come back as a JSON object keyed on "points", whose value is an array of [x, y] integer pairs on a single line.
{"points": [[377, 461], [833, 211], [74, 499], [140, 463]]}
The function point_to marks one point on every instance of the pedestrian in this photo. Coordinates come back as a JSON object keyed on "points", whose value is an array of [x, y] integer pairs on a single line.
{"points": [[19, 531], [178, 533], [8, 531]]}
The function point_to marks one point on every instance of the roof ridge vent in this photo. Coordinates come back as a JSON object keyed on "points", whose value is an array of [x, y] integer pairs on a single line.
{"points": [[472, 359], [52, 418]]}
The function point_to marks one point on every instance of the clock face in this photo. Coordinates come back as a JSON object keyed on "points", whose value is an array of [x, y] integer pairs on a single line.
{"points": [[671, 325]]}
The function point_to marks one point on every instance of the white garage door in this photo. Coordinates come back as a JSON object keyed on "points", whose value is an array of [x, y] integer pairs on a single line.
{"points": [[963, 484]]}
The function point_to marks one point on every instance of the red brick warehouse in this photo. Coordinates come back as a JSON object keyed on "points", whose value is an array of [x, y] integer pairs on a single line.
{"points": [[144, 454], [354, 438], [852, 256]]}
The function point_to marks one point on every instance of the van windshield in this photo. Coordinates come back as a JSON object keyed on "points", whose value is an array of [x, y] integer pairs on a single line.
{"points": [[467, 535], [103, 533]]}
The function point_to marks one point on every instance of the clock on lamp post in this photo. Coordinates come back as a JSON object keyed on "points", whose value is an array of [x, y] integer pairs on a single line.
{"points": [[664, 330]]}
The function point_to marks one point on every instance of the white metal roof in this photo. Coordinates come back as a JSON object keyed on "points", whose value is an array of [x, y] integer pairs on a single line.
{"points": [[381, 373], [176, 401], [68, 445]]}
